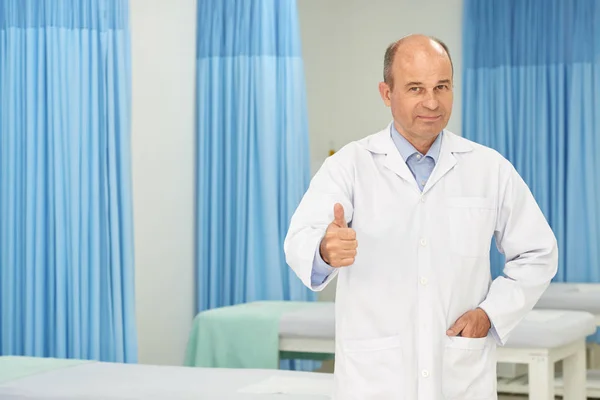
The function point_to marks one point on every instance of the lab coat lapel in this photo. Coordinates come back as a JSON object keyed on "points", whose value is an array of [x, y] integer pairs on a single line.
{"points": [[451, 144], [382, 143], [396, 163]]}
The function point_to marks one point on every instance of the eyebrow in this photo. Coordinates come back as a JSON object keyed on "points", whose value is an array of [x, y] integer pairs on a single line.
{"points": [[447, 81]]}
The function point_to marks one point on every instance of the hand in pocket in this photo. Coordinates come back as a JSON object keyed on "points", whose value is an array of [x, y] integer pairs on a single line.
{"points": [[472, 324]]}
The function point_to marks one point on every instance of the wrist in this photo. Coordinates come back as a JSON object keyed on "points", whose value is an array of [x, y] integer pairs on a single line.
{"points": [[322, 253]]}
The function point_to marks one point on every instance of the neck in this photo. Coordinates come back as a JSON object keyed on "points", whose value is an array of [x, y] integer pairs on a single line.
{"points": [[421, 144]]}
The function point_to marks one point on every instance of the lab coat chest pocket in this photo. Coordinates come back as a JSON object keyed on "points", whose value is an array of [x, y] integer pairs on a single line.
{"points": [[374, 368], [471, 221], [469, 368]]}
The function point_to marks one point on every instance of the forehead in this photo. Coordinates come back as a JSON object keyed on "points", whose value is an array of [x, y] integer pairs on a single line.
{"points": [[420, 66]]}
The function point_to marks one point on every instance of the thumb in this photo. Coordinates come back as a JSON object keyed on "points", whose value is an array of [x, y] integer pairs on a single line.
{"points": [[338, 212], [458, 327]]}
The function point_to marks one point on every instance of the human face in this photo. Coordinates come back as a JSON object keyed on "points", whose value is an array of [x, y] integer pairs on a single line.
{"points": [[421, 96]]}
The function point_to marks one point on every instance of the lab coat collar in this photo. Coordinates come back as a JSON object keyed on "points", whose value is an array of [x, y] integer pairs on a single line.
{"points": [[382, 143]]}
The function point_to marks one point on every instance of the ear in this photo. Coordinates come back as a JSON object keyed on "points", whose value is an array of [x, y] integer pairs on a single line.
{"points": [[385, 92]]}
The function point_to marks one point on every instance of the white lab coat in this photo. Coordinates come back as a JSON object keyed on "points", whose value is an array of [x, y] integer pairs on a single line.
{"points": [[422, 262]]}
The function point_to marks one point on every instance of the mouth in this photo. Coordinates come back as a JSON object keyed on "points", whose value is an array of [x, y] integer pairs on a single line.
{"points": [[428, 118]]}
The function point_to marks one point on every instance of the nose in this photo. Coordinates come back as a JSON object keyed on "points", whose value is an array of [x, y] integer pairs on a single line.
{"points": [[430, 102]]}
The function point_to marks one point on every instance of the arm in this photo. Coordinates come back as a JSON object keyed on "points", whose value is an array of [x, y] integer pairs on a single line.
{"points": [[332, 184], [530, 247]]}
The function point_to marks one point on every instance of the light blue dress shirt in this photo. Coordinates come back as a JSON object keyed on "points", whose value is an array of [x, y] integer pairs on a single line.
{"points": [[420, 166]]}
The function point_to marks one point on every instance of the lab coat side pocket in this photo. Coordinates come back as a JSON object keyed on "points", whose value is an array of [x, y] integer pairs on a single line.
{"points": [[469, 368], [374, 368]]}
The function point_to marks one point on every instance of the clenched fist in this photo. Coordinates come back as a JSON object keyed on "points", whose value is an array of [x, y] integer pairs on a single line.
{"points": [[338, 247]]}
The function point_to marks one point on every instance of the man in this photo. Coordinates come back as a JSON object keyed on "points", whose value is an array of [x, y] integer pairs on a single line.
{"points": [[405, 219]]}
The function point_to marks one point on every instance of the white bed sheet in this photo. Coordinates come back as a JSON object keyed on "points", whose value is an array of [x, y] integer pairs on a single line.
{"points": [[316, 321], [551, 328], [571, 296], [111, 381]]}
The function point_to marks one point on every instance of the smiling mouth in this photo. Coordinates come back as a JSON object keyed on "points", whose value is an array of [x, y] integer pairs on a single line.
{"points": [[425, 118]]}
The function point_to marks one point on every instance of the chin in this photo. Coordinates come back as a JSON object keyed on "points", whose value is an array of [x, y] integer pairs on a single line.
{"points": [[432, 129]]}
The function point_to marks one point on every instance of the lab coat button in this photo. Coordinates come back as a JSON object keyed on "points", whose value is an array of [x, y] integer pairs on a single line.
{"points": [[423, 281], [425, 373], [423, 242]]}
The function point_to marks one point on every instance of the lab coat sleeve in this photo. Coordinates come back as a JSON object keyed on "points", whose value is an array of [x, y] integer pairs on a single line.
{"points": [[320, 270], [333, 183], [529, 245]]}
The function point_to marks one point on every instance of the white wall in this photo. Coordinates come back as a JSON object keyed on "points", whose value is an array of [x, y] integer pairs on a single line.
{"points": [[163, 51], [343, 43], [343, 46]]}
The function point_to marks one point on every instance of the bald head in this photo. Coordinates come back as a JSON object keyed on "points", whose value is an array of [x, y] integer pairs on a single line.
{"points": [[410, 47]]}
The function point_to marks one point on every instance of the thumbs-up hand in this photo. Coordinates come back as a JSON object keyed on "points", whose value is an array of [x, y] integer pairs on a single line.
{"points": [[338, 247]]}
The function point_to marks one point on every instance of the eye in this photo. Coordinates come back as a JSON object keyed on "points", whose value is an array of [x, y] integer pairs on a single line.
{"points": [[414, 89], [442, 87]]}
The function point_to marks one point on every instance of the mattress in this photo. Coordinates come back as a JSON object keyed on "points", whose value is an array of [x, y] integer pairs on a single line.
{"points": [[571, 296], [112, 381], [540, 328], [551, 328]]}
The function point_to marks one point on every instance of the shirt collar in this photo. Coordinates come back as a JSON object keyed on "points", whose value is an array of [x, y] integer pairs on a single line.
{"points": [[406, 149]]}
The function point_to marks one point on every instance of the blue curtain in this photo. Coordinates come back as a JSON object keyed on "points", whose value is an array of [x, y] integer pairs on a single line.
{"points": [[532, 92], [252, 152], [252, 149], [66, 237]]}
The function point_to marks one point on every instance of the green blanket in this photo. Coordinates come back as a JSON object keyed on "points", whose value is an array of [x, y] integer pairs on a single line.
{"points": [[242, 336], [12, 368]]}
